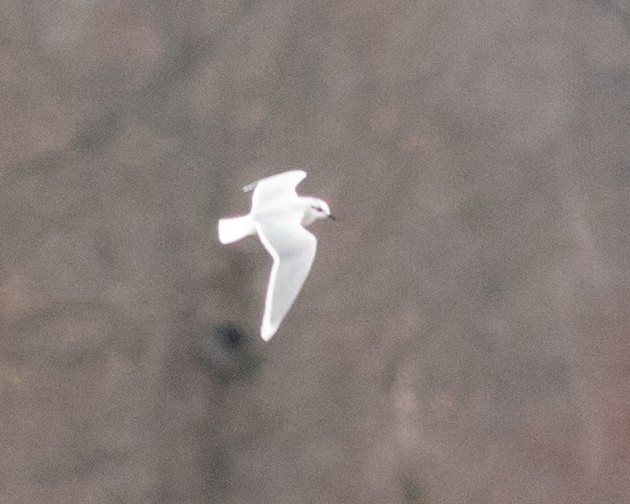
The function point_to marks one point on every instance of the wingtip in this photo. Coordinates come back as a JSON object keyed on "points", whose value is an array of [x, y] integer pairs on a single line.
{"points": [[250, 187], [301, 173], [267, 331]]}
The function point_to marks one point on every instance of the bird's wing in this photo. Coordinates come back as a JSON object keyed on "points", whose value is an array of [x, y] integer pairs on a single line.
{"points": [[275, 186], [293, 250]]}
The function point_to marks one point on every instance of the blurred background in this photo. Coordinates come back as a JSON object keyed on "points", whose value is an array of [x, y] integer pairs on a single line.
{"points": [[463, 335]]}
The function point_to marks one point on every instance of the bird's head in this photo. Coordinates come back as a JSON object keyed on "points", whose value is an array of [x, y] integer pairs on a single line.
{"points": [[318, 209]]}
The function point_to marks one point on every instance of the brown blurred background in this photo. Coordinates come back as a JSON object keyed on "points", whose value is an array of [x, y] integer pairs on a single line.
{"points": [[463, 336]]}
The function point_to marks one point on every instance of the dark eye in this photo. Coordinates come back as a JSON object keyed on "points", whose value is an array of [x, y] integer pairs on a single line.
{"points": [[318, 209]]}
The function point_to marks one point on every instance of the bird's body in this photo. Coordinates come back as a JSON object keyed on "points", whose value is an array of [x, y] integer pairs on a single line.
{"points": [[278, 216]]}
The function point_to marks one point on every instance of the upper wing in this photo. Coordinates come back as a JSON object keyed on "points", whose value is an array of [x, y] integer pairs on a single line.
{"points": [[293, 250], [275, 186]]}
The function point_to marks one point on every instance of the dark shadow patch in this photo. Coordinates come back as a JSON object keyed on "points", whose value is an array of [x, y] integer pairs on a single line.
{"points": [[227, 351], [231, 336], [412, 492]]}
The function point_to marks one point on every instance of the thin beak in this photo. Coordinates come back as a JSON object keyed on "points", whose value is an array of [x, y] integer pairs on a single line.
{"points": [[330, 216]]}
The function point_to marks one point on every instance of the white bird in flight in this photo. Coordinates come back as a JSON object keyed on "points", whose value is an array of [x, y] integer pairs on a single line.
{"points": [[278, 217]]}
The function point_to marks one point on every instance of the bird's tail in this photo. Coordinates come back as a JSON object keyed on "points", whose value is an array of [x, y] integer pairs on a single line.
{"points": [[233, 229]]}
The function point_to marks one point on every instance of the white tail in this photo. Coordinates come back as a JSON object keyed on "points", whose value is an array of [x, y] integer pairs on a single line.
{"points": [[234, 229]]}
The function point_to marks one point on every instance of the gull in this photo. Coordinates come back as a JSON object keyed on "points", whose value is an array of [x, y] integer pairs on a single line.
{"points": [[278, 216]]}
